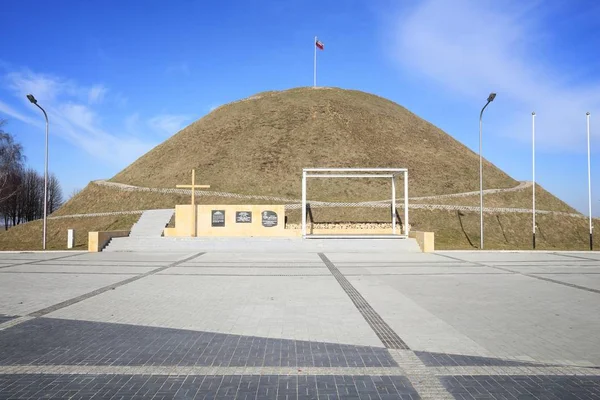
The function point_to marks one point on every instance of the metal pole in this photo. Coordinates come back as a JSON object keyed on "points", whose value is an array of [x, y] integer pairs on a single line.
{"points": [[45, 183], [589, 183], [315, 66], [394, 204], [406, 203], [533, 163], [481, 181], [194, 223], [303, 204]]}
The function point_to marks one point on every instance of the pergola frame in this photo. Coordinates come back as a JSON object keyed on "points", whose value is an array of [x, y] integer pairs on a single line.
{"points": [[389, 173]]}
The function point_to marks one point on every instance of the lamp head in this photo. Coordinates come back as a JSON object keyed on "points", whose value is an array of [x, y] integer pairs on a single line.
{"points": [[491, 97], [587, 113], [32, 99], [533, 113]]}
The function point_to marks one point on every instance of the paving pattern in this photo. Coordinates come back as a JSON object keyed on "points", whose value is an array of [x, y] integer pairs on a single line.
{"points": [[304, 325]]}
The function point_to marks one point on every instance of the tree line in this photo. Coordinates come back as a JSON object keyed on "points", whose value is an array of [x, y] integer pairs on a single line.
{"points": [[22, 188]]}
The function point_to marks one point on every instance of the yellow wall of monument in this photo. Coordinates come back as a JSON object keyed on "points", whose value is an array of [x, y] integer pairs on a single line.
{"points": [[183, 221], [183, 224]]}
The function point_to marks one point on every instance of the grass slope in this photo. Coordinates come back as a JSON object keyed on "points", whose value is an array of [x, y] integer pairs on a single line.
{"points": [[260, 145], [29, 236]]}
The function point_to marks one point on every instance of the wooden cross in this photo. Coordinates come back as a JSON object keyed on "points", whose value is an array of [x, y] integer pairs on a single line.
{"points": [[193, 186]]}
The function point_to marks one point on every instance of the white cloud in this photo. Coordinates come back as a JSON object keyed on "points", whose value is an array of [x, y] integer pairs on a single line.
{"points": [[96, 94], [70, 118], [473, 47], [168, 124]]}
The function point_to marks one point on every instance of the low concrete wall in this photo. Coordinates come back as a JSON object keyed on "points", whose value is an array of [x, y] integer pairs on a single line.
{"points": [[98, 240], [426, 240], [204, 226]]}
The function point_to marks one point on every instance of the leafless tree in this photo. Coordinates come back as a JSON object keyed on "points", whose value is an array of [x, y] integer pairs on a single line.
{"points": [[22, 190], [11, 164], [55, 195]]}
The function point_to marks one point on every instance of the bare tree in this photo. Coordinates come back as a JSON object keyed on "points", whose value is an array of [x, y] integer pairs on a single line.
{"points": [[55, 194], [11, 164]]}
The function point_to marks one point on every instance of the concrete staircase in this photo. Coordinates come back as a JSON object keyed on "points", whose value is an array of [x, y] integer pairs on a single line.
{"points": [[150, 226], [262, 245], [152, 223]]}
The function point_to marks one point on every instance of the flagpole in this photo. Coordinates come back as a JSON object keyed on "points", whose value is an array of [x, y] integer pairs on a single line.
{"points": [[589, 182], [315, 68], [533, 163]]}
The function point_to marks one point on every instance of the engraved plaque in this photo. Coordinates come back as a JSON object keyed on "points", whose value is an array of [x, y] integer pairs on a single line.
{"points": [[269, 219], [243, 217], [218, 218]]}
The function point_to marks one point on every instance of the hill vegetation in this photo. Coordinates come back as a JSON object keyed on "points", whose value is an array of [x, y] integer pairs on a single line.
{"points": [[258, 147]]}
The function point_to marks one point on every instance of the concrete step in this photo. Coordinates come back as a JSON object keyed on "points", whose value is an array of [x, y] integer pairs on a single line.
{"points": [[152, 223], [261, 245]]}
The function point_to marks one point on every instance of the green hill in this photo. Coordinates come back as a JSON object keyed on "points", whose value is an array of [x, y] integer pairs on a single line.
{"points": [[259, 145]]}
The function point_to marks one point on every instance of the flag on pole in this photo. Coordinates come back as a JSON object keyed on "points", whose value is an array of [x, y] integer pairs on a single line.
{"points": [[320, 45]]}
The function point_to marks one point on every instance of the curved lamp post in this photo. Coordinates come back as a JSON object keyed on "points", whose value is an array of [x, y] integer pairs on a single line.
{"points": [[491, 98], [34, 101]]}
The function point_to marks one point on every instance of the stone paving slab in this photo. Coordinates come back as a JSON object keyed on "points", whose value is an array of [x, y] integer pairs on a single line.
{"points": [[49, 341], [25, 293], [242, 387], [523, 387], [75, 269], [423, 270], [250, 258], [592, 255], [37, 256], [562, 268], [509, 315], [137, 257], [589, 281], [422, 258], [5, 318], [501, 324], [301, 308], [498, 257], [419, 328], [246, 271]]}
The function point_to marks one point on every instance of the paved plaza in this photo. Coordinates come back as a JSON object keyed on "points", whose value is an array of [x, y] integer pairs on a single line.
{"points": [[358, 323]]}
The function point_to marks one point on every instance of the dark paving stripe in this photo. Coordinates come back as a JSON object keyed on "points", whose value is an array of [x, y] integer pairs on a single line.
{"points": [[39, 261], [571, 285], [245, 275], [96, 292], [242, 387], [68, 273], [577, 257], [457, 360], [49, 341], [523, 387], [386, 334], [5, 318]]}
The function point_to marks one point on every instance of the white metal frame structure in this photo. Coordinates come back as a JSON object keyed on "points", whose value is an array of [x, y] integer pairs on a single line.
{"points": [[389, 173]]}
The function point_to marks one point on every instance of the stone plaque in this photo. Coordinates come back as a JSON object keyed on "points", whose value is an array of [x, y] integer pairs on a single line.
{"points": [[243, 217], [218, 217], [269, 219]]}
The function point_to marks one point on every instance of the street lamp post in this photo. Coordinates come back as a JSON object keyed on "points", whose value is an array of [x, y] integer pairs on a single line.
{"points": [[491, 98], [533, 164], [589, 183], [34, 101]]}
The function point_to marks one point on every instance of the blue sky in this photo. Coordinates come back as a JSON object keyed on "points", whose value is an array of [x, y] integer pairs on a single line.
{"points": [[118, 78]]}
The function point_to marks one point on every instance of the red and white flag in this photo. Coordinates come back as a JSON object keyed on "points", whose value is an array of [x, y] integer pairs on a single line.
{"points": [[320, 45]]}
